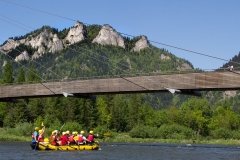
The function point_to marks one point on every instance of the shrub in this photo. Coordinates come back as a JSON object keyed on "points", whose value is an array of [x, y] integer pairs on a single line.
{"points": [[236, 134], [72, 126], [141, 131], [221, 133], [175, 131], [25, 129]]}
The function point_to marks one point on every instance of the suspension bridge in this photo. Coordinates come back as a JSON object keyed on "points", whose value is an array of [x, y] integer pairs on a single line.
{"points": [[184, 83]]}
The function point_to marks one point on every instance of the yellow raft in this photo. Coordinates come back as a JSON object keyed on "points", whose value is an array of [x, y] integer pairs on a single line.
{"points": [[48, 146]]}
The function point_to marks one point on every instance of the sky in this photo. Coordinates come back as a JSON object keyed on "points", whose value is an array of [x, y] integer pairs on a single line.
{"points": [[209, 27]]}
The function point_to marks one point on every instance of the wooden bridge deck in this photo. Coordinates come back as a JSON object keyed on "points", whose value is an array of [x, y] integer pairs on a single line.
{"points": [[140, 84]]}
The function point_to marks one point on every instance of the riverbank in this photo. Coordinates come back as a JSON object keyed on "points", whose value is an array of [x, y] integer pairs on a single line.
{"points": [[125, 138]]}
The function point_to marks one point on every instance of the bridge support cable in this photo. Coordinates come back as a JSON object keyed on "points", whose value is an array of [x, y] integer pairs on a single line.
{"points": [[171, 46]]}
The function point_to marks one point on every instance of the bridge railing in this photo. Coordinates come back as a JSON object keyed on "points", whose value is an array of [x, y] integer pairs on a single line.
{"points": [[127, 75]]}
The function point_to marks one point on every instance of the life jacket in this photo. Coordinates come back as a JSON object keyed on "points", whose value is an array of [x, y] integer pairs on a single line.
{"points": [[33, 135], [53, 139], [64, 140], [71, 138], [41, 138], [80, 138], [90, 137]]}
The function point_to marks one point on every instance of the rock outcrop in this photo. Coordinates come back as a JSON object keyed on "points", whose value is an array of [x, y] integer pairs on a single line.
{"points": [[23, 56], [11, 44], [76, 33], [43, 41], [184, 66], [229, 94], [163, 57], [141, 44], [108, 35], [40, 40], [56, 44]]}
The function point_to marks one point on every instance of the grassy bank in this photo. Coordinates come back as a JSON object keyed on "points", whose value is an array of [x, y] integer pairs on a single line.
{"points": [[127, 139], [9, 136]]}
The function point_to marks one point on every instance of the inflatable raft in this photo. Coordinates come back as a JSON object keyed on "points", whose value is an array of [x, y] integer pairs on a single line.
{"points": [[48, 146]]}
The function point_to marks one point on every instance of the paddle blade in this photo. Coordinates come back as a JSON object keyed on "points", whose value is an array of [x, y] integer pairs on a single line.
{"points": [[107, 134], [42, 124]]}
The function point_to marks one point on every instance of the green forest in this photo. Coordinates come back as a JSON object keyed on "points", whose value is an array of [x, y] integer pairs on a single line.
{"points": [[155, 115]]}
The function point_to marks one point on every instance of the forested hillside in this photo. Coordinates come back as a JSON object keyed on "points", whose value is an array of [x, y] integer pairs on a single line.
{"points": [[206, 116]]}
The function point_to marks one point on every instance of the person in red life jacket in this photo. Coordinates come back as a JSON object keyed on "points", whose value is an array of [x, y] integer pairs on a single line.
{"points": [[71, 138], [90, 137], [54, 138], [81, 138], [41, 134], [67, 133], [64, 139], [35, 136]]}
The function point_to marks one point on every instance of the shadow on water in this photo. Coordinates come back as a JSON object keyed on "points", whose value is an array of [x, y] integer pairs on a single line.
{"points": [[129, 151]]}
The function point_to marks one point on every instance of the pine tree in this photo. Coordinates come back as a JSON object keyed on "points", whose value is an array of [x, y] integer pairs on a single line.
{"points": [[21, 76], [8, 74]]}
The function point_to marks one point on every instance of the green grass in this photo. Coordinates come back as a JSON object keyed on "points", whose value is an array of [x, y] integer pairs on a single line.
{"points": [[9, 136], [124, 137]]}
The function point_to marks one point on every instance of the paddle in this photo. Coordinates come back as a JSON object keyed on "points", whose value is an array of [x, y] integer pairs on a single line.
{"points": [[61, 128]]}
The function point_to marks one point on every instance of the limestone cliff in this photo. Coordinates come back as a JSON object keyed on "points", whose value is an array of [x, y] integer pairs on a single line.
{"points": [[56, 44], [76, 33], [11, 44], [23, 56], [141, 44], [184, 66], [108, 35]]}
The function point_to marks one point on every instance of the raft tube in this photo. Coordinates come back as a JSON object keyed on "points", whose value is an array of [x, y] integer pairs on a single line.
{"points": [[48, 146]]}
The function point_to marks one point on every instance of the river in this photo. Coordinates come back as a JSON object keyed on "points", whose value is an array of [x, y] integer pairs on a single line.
{"points": [[128, 151]]}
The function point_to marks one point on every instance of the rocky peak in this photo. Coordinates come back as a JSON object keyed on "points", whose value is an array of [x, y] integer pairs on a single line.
{"points": [[11, 44], [141, 44], [41, 39], [108, 35], [76, 33], [23, 56], [56, 44]]}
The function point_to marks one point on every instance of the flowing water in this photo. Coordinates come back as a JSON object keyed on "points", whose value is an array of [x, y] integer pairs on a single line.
{"points": [[128, 151]]}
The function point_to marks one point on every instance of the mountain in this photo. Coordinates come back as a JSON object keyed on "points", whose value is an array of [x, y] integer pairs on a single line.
{"points": [[103, 43]]}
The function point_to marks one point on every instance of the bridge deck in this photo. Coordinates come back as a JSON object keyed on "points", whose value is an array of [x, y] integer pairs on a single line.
{"points": [[141, 84]]}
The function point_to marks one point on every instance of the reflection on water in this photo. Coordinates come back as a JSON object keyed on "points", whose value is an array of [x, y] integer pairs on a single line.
{"points": [[129, 151]]}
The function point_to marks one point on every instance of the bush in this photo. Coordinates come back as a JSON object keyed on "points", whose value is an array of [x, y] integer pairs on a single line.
{"points": [[221, 133], [175, 131], [236, 134], [102, 129], [25, 129], [21, 129], [72, 126], [141, 131]]}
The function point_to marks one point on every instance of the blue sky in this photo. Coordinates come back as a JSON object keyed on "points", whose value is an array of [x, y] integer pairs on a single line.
{"points": [[210, 27]]}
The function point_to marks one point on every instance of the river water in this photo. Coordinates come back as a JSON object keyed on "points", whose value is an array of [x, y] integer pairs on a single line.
{"points": [[128, 151]]}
